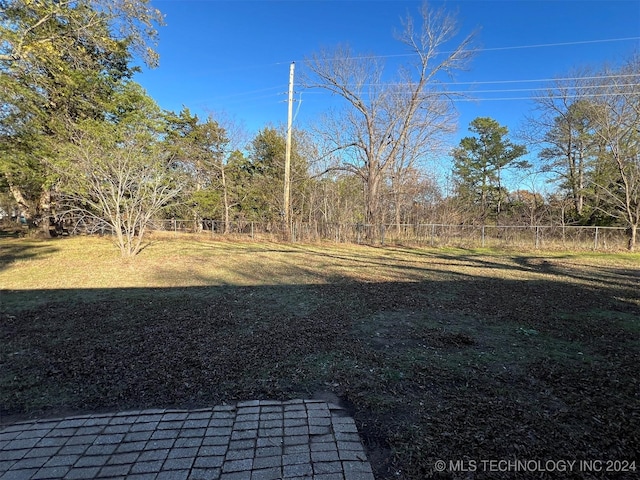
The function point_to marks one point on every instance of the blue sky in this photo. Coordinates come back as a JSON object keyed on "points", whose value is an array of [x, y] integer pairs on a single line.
{"points": [[233, 56]]}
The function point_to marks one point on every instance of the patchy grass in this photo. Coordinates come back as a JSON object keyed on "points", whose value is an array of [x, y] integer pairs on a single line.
{"points": [[439, 354]]}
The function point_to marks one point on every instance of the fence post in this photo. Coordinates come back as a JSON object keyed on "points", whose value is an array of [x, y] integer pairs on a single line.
{"points": [[595, 240], [382, 231], [537, 237], [433, 235], [251, 230], [482, 236]]}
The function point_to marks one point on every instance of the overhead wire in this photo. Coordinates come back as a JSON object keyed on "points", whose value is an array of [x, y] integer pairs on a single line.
{"points": [[539, 97], [475, 50], [494, 49], [533, 80], [459, 83], [243, 97], [471, 95]]}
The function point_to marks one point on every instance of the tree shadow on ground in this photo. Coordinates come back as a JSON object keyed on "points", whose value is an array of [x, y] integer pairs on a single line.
{"points": [[23, 250]]}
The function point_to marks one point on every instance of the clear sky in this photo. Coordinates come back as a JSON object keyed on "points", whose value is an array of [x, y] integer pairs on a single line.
{"points": [[233, 56]]}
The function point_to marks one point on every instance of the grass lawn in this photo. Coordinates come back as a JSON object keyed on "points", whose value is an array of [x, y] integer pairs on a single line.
{"points": [[438, 354]]}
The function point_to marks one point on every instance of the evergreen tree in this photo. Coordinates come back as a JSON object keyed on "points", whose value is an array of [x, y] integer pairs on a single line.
{"points": [[479, 163], [59, 65]]}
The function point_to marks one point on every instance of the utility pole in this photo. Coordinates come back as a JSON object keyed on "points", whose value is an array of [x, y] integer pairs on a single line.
{"points": [[287, 159]]}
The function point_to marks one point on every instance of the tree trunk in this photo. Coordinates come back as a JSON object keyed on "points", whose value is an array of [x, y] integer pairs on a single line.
{"points": [[33, 213], [633, 235], [372, 185], [197, 219], [23, 203], [225, 196], [580, 192], [44, 211], [398, 212], [499, 200]]}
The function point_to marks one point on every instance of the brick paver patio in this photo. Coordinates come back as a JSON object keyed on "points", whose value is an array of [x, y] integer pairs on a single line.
{"points": [[261, 439]]}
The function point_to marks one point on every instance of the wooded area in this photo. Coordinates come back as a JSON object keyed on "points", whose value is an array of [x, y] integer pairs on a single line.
{"points": [[80, 138]]}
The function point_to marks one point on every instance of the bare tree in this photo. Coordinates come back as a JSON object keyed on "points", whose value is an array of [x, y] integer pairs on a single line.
{"points": [[120, 185], [119, 173], [564, 129], [381, 119], [616, 117]]}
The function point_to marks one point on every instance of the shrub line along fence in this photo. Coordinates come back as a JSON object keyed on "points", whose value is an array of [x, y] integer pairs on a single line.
{"points": [[428, 234]]}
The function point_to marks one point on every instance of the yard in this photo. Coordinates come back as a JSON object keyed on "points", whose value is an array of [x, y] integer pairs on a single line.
{"points": [[439, 354]]}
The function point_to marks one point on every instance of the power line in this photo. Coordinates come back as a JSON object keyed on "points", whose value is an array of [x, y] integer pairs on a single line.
{"points": [[514, 47], [498, 82], [540, 80], [539, 97], [536, 89], [470, 96], [559, 44], [251, 92], [475, 50], [505, 90], [249, 96], [235, 97]]}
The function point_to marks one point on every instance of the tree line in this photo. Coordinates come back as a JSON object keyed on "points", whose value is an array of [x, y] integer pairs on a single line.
{"points": [[81, 139]]}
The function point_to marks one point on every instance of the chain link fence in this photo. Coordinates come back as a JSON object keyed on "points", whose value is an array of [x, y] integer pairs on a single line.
{"points": [[419, 235]]}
